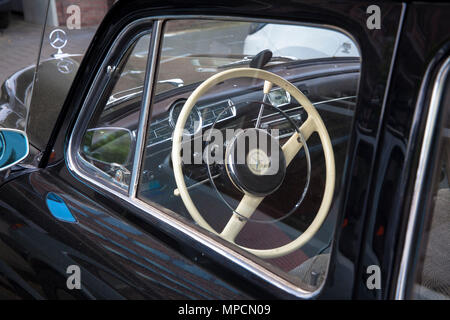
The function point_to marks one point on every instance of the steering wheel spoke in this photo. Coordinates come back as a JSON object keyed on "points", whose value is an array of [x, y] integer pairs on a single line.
{"points": [[243, 212], [293, 145]]}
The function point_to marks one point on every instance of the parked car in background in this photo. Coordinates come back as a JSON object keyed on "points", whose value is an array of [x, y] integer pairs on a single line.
{"points": [[303, 42], [226, 151]]}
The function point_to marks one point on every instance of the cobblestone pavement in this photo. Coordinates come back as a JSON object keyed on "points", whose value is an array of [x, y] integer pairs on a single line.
{"points": [[19, 45]]}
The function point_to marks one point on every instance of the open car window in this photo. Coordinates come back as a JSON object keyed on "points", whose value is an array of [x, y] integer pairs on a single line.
{"points": [[247, 137]]}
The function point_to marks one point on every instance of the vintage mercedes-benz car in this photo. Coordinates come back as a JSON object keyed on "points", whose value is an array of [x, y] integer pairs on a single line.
{"points": [[188, 154]]}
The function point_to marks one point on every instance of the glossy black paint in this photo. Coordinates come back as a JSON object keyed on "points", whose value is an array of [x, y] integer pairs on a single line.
{"points": [[118, 260], [376, 46], [424, 43], [127, 253]]}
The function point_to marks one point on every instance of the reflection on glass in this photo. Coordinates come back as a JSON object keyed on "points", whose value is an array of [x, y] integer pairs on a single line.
{"points": [[195, 50], [107, 145]]}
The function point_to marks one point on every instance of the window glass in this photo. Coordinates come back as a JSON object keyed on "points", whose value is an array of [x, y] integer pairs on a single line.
{"points": [[433, 278], [68, 31], [210, 46], [108, 145], [247, 175]]}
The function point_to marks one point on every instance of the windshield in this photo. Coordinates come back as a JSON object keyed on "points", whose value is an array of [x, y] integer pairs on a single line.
{"points": [[192, 51], [61, 51]]}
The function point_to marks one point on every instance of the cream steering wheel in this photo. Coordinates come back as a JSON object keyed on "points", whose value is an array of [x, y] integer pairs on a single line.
{"points": [[250, 202]]}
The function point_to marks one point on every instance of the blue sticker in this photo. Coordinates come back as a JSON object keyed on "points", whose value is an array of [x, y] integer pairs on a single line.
{"points": [[58, 208]]}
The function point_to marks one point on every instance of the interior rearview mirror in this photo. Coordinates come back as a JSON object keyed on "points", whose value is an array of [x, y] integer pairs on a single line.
{"points": [[107, 145], [13, 147]]}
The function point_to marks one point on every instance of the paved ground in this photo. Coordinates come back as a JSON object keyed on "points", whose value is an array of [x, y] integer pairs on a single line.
{"points": [[19, 45]]}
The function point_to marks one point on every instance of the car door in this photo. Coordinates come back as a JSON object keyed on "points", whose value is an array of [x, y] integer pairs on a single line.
{"points": [[423, 273], [92, 207], [419, 221]]}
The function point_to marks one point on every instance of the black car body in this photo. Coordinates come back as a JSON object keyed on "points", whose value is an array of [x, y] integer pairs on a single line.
{"points": [[5, 11], [138, 241]]}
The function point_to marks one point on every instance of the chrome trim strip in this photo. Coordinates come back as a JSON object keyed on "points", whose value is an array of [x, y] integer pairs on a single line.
{"points": [[96, 172], [70, 154], [295, 117], [391, 70], [337, 110], [113, 100], [424, 160], [191, 231], [145, 112], [208, 240], [300, 107]]}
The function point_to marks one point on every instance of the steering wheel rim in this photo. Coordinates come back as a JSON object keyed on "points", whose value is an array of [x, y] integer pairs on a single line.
{"points": [[249, 203]]}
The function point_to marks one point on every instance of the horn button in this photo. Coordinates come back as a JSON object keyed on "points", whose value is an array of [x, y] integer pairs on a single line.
{"points": [[255, 162]]}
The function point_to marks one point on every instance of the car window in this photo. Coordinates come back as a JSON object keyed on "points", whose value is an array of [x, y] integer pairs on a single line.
{"points": [[108, 145], [212, 46], [253, 157], [432, 279]]}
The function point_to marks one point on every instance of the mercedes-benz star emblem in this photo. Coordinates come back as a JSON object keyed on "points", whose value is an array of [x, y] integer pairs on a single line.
{"points": [[258, 162], [58, 39], [65, 66]]}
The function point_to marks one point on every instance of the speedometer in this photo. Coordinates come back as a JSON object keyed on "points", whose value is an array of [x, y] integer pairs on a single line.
{"points": [[193, 122]]}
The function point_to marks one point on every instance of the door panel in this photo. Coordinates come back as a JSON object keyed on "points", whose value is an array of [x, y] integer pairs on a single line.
{"points": [[421, 47], [117, 259]]}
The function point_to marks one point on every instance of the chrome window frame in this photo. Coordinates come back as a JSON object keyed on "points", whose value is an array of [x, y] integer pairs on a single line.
{"points": [[424, 163], [194, 232], [84, 168]]}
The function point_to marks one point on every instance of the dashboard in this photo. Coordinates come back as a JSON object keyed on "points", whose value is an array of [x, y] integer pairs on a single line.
{"points": [[204, 115], [200, 117]]}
